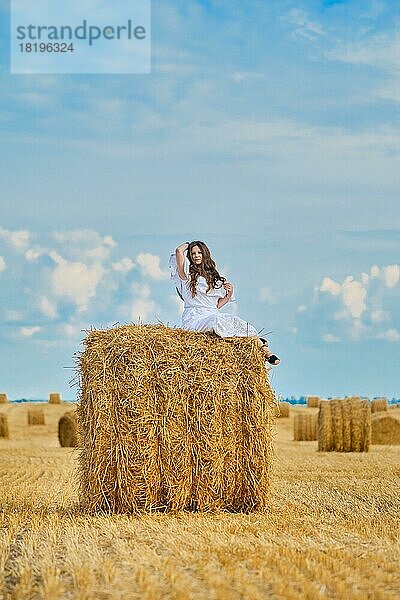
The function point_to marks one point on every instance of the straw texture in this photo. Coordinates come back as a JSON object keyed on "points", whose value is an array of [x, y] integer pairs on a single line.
{"points": [[378, 405], [344, 425], [54, 398], [385, 429], [36, 416], [3, 398], [305, 427], [67, 430], [313, 401], [4, 431], [173, 420], [283, 409]]}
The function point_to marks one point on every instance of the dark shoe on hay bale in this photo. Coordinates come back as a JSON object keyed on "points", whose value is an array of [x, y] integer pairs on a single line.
{"points": [[173, 420]]}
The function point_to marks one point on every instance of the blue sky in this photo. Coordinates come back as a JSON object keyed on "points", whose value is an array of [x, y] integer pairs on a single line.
{"points": [[268, 129]]}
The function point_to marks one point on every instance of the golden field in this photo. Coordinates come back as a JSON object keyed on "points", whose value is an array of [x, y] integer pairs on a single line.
{"points": [[332, 530]]}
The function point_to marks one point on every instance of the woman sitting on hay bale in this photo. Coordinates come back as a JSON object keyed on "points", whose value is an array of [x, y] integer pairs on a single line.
{"points": [[204, 291]]}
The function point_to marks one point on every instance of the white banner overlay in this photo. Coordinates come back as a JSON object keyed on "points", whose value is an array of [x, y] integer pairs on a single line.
{"points": [[80, 36]]}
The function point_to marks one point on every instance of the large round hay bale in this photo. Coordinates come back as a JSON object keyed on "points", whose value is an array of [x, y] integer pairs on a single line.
{"points": [[4, 431], [67, 430], [344, 425], [54, 398], [170, 419], [36, 416], [313, 401], [3, 398], [378, 405], [385, 429], [324, 426], [284, 409], [305, 427]]}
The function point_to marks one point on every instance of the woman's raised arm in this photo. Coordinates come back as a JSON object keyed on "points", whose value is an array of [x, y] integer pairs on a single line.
{"points": [[180, 259]]}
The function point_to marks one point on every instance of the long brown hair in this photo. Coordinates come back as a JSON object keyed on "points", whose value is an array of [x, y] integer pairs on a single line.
{"points": [[207, 269]]}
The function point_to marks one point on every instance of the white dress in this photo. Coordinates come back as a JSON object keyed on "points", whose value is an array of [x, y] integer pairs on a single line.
{"points": [[201, 312]]}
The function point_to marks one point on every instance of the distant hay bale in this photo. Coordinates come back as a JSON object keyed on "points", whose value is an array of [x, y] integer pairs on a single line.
{"points": [[378, 405], [4, 431], [283, 409], [36, 416], [54, 398], [313, 401], [173, 420], [344, 425], [385, 429], [305, 427], [3, 398], [67, 430]]}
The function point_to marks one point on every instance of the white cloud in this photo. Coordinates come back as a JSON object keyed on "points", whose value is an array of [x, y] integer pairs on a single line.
{"points": [[390, 335], [29, 331], [32, 254], [108, 241], [364, 278], [301, 308], [47, 307], [391, 275], [358, 330], [84, 243], [100, 253], [331, 286], [381, 51], [330, 338], [71, 331], [150, 266], [378, 316], [143, 307], [2, 264], [354, 296], [304, 27], [57, 257], [375, 271], [75, 236], [75, 280], [124, 265], [18, 239], [362, 305]]}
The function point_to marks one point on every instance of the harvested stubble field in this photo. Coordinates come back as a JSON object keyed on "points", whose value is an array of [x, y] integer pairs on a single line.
{"points": [[332, 530]]}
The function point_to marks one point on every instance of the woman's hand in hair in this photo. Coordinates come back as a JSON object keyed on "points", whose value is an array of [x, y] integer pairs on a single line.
{"points": [[183, 247], [229, 289]]}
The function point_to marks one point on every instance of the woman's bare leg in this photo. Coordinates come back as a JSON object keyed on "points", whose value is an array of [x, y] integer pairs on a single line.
{"points": [[267, 353], [264, 348]]}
